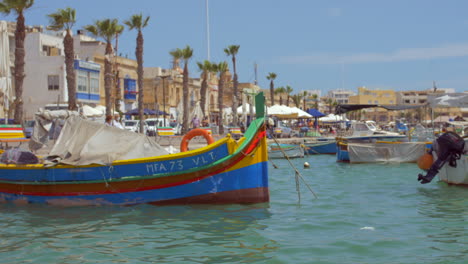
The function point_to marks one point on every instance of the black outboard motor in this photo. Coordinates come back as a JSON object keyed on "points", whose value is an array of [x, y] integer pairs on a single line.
{"points": [[449, 147]]}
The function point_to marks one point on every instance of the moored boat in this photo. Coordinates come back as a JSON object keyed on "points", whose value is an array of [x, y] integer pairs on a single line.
{"points": [[320, 146], [226, 171], [449, 160]]}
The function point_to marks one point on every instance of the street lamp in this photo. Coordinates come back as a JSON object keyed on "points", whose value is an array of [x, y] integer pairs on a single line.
{"points": [[163, 78]]}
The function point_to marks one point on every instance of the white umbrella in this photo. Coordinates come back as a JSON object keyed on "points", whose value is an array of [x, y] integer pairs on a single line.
{"points": [[282, 111], [5, 74], [300, 113]]}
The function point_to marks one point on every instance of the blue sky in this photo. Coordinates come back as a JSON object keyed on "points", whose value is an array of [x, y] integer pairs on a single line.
{"points": [[398, 44]]}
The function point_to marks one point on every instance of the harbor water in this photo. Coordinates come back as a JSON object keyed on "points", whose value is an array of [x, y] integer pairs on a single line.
{"points": [[364, 213]]}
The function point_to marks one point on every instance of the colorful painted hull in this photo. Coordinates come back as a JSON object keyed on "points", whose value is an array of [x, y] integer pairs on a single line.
{"points": [[320, 146], [223, 172]]}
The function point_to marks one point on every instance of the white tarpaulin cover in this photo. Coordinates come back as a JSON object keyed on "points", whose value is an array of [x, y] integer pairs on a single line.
{"points": [[45, 120], [83, 142], [386, 152]]}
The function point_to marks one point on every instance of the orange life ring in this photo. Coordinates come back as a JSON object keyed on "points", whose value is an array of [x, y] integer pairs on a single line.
{"points": [[195, 133]]}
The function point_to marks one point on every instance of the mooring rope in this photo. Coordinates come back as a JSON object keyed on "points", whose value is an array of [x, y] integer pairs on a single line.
{"points": [[298, 174]]}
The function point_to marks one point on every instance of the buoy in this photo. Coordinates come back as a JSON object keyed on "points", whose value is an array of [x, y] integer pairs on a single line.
{"points": [[425, 161], [306, 164]]}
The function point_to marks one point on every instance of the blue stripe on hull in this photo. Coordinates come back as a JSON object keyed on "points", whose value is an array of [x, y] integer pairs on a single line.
{"points": [[329, 148], [253, 176], [113, 172]]}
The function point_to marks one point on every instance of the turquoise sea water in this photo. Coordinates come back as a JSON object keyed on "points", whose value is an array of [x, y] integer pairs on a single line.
{"points": [[364, 214]]}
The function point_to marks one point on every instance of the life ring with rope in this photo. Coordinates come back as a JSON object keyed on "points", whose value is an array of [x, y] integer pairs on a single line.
{"points": [[195, 133]]}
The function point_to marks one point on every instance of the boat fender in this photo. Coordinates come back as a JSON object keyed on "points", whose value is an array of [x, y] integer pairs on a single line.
{"points": [[425, 161], [306, 165], [195, 133], [449, 148]]}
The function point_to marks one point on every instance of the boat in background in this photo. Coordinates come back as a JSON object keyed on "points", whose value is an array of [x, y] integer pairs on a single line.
{"points": [[281, 151], [448, 159], [320, 145], [364, 133]]}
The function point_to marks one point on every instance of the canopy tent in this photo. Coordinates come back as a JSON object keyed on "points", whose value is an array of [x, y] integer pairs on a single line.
{"points": [[344, 108], [282, 111], [300, 113], [333, 118], [448, 100], [5, 74], [315, 113]]}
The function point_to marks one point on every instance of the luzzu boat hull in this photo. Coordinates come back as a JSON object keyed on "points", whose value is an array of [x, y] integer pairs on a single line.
{"points": [[285, 150], [226, 171]]}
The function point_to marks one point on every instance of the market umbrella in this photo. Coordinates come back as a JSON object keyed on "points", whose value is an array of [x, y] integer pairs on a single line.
{"points": [[315, 113]]}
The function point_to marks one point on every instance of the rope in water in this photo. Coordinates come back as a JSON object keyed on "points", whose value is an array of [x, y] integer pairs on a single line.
{"points": [[298, 175]]}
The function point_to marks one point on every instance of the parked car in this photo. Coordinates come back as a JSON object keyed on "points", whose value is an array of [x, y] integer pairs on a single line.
{"points": [[134, 125], [28, 128]]}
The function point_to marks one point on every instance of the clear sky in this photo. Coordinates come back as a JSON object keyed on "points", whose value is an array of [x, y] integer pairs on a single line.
{"points": [[398, 44]]}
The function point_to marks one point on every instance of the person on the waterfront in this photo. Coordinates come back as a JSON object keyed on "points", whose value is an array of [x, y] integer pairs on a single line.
{"points": [[108, 120], [195, 122], [116, 121]]}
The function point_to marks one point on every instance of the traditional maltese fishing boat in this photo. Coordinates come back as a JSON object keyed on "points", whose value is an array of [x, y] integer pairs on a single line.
{"points": [[227, 171]]}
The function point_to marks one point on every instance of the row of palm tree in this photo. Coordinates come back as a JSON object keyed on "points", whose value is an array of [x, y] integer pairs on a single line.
{"points": [[109, 30]]}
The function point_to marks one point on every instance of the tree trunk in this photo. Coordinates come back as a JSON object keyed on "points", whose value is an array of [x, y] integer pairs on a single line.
{"points": [[272, 93], [139, 56], [69, 61], [20, 35], [203, 89], [185, 87], [281, 100], [221, 103], [235, 103], [108, 79]]}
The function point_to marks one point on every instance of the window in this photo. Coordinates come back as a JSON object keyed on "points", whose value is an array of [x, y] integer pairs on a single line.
{"points": [[53, 82], [82, 81], [376, 102], [94, 82]]}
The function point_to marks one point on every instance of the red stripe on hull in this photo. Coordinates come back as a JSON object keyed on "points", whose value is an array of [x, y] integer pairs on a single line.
{"points": [[244, 196]]}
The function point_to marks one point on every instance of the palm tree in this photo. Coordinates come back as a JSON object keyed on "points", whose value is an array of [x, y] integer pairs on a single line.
{"points": [[221, 68], [139, 22], [271, 77], [289, 90], [186, 54], [18, 7], [280, 90], [206, 67], [315, 98], [304, 97], [108, 30], [297, 99], [232, 51], [64, 19], [331, 103]]}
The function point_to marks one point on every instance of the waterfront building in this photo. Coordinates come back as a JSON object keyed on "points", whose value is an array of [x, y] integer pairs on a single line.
{"points": [[340, 96]]}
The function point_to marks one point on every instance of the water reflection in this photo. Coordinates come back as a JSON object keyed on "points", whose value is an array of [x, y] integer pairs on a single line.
{"points": [[444, 211], [141, 233]]}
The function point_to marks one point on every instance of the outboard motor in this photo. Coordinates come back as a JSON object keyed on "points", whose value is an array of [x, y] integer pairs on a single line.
{"points": [[449, 147]]}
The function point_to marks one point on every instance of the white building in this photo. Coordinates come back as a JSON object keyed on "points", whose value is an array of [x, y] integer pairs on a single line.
{"points": [[340, 96], [45, 82]]}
